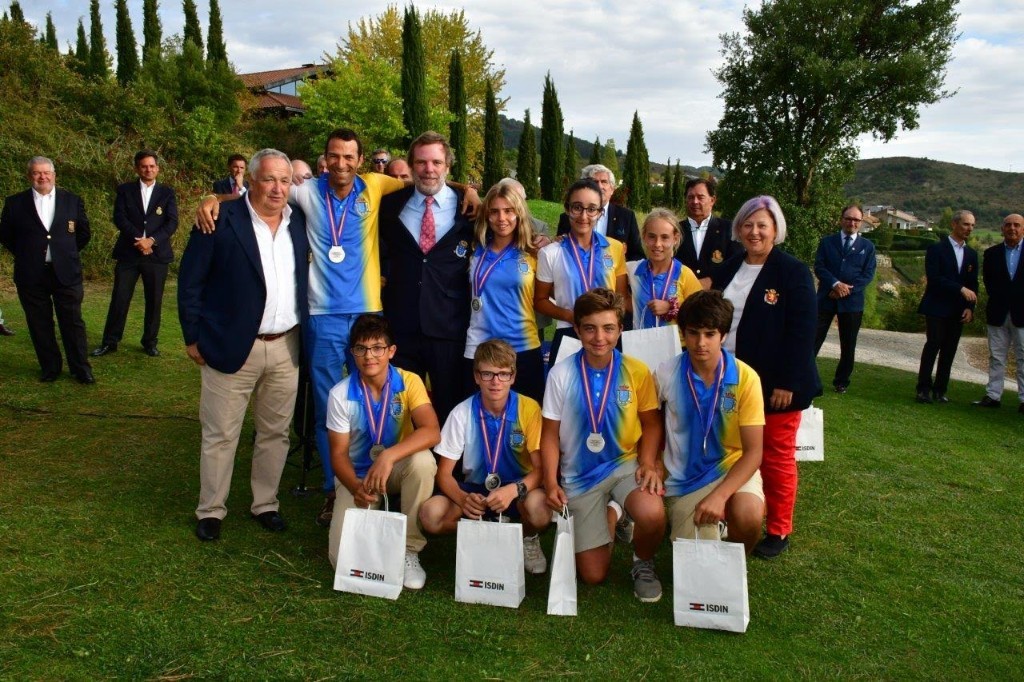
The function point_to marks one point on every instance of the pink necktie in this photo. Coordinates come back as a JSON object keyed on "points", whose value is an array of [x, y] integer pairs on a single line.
{"points": [[427, 231]]}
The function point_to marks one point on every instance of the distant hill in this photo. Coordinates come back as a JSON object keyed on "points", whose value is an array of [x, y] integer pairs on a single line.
{"points": [[925, 187]]}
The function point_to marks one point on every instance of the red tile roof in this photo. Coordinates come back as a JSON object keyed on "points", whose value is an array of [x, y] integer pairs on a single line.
{"points": [[269, 79], [275, 100]]}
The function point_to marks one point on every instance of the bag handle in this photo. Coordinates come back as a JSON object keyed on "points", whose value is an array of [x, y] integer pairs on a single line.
{"points": [[384, 495]]}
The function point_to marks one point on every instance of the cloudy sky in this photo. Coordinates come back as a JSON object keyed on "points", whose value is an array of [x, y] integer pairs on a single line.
{"points": [[608, 59]]}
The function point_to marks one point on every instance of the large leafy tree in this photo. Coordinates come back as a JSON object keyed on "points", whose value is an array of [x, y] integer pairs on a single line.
{"points": [[805, 80], [552, 155], [636, 174], [127, 55], [414, 77], [526, 163], [458, 130]]}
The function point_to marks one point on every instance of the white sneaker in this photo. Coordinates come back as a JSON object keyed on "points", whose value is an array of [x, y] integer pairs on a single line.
{"points": [[415, 576], [533, 556]]}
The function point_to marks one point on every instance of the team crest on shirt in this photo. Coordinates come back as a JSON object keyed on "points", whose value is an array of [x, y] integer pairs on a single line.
{"points": [[524, 267], [159, 210], [771, 297], [516, 438], [716, 256], [462, 248], [672, 291], [396, 407], [624, 395], [729, 401], [362, 206], [607, 261]]}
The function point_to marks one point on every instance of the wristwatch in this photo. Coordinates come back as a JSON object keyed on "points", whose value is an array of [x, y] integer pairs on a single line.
{"points": [[521, 490]]}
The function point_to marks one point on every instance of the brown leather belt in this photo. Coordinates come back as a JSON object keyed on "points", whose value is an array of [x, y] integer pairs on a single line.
{"points": [[274, 337]]}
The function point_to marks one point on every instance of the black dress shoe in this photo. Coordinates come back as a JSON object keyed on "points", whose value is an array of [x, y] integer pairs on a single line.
{"points": [[85, 377], [271, 520], [940, 398], [105, 349], [840, 389], [987, 402], [5, 331], [152, 351], [923, 397], [208, 529], [49, 377]]}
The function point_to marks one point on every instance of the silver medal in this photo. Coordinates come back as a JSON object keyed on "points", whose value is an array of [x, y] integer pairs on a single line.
{"points": [[477, 303], [595, 442], [492, 482], [375, 452], [336, 254]]}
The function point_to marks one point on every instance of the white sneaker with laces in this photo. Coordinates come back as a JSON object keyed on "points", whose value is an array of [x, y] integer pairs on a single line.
{"points": [[415, 576], [533, 557]]}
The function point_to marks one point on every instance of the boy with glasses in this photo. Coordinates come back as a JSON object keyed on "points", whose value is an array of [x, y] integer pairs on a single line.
{"points": [[381, 427], [496, 433]]}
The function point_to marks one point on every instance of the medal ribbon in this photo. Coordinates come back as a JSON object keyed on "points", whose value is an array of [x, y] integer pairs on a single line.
{"points": [[588, 277], [709, 422], [337, 227], [479, 279], [492, 453], [376, 419], [670, 277], [596, 420]]}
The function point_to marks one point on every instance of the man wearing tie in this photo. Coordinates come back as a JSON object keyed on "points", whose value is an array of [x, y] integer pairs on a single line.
{"points": [[235, 183], [428, 243], [951, 268], [707, 240], [845, 266], [145, 215], [46, 228], [1004, 312]]}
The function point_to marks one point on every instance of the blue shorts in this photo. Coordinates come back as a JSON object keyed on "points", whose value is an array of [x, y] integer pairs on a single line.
{"points": [[511, 513]]}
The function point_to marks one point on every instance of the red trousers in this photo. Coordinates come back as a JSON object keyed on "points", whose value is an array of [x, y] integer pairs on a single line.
{"points": [[778, 471]]}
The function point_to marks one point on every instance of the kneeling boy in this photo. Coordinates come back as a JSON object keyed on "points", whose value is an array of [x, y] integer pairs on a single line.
{"points": [[601, 413], [380, 427], [496, 433], [714, 423]]}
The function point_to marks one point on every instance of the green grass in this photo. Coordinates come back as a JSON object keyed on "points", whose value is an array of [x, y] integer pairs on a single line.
{"points": [[905, 561]]}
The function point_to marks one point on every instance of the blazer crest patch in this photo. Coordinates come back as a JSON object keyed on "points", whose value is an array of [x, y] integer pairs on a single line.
{"points": [[71, 227], [771, 296]]}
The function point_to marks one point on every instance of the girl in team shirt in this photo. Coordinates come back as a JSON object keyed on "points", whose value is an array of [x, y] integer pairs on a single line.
{"points": [[660, 283], [502, 273], [583, 260]]}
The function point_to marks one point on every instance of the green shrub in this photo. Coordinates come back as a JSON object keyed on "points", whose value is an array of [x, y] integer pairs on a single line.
{"points": [[902, 314]]}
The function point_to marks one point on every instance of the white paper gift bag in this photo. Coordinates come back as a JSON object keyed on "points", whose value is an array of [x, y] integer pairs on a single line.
{"points": [[710, 585], [489, 563], [371, 554], [562, 593], [653, 345], [810, 437]]}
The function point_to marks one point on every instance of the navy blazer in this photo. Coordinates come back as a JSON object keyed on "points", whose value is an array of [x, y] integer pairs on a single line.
{"points": [[1005, 296], [621, 225], [23, 234], [942, 297], [776, 332], [221, 289], [718, 247], [425, 293], [159, 221], [856, 268]]}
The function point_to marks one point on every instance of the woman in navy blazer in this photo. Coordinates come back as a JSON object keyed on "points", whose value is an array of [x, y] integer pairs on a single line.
{"points": [[773, 332]]}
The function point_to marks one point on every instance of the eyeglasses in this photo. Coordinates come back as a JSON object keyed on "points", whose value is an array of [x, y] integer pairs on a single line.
{"points": [[592, 211], [374, 351], [381, 162], [848, 219], [503, 377]]}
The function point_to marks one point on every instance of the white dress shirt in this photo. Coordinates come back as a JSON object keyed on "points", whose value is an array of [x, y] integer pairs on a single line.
{"points": [[698, 232], [958, 251], [46, 204], [444, 208], [277, 255]]}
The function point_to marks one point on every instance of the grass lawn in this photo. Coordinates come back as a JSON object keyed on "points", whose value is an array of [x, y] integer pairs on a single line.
{"points": [[906, 561]]}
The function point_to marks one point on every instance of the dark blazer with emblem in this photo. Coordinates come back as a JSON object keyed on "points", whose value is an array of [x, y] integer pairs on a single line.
{"points": [[856, 268], [227, 185], [221, 289], [719, 238], [159, 221], [23, 234], [776, 332], [1005, 295], [621, 225], [942, 297], [425, 293]]}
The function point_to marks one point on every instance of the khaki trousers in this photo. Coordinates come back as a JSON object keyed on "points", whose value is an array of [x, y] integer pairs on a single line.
{"points": [[413, 478], [270, 376]]}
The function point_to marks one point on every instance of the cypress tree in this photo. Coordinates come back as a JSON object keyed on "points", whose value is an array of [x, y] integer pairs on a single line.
{"points": [[569, 163], [526, 167], [216, 50], [414, 80], [51, 33], [16, 13], [457, 129], [152, 32], [98, 66], [193, 32], [127, 57], [666, 184], [551, 151], [494, 145], [82, 50], [595, 153], [636, 176], [677, 188], [609, 156]]}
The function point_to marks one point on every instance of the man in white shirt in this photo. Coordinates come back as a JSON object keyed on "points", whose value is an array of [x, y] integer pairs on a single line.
{"points": [[46, 228], [242, 295]]}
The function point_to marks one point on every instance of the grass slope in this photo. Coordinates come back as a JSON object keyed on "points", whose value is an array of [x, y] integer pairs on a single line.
{"points": [[905, 562]]}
